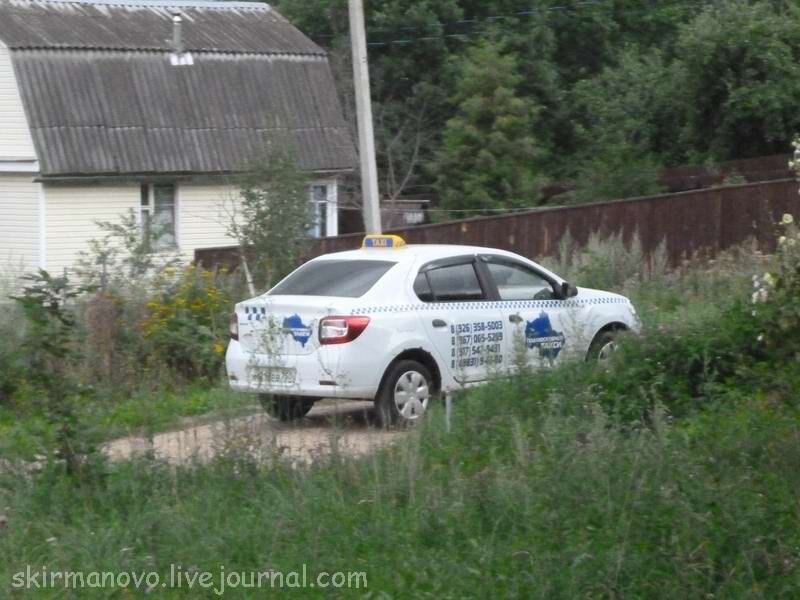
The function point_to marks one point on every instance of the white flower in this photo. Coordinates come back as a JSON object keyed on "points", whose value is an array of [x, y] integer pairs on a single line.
{"points": [[782, 240], [769, 279], [760, 337], [763, 295], [755, 300], [787, 219]]}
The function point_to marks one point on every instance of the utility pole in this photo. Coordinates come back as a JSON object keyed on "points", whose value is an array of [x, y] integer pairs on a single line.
{"points": [[366, 135]]}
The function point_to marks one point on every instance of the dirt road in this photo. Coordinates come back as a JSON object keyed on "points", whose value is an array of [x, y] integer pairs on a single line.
{"points": [[331, 427]]}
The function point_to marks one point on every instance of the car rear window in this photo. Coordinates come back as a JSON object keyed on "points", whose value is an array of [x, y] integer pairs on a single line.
{"points": [[339, 278]]}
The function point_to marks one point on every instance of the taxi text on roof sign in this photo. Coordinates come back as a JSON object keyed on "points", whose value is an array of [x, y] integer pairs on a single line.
{"points": [[383, 241]]}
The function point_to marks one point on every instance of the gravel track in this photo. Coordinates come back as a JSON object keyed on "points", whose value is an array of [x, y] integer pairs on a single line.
{"points": [[331, 427]]}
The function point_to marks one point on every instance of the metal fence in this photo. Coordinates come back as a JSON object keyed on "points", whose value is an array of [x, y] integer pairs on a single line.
{"points": [[706, 221]]}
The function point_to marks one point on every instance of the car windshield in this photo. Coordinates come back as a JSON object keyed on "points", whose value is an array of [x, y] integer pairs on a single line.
{"points": [[339, 278]]}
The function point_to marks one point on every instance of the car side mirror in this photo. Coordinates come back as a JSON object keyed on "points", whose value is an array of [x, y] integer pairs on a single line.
{"points": [[568, 290]]}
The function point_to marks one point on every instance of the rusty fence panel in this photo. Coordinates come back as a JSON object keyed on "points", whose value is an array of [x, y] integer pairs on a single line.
{"points": [[707, 221]]}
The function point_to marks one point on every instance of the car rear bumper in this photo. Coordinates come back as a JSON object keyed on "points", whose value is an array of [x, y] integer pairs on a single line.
{"points": [[307, 375]]}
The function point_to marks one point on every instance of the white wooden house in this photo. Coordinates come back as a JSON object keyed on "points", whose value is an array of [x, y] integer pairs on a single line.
{"points": [[111, 105]]}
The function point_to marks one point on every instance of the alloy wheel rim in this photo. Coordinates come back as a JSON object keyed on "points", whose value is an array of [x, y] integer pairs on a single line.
{"points": [[411, 395], [606, 352]]}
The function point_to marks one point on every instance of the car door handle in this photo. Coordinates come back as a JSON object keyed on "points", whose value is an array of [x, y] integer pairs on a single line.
{"points": [[439, 323], [515, 318]]}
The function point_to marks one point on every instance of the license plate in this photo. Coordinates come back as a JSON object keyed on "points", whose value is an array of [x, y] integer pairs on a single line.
{"points": [[280, 376]]}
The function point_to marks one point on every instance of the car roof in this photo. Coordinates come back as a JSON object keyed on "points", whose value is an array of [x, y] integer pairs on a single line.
{"points": [[412, 252]]}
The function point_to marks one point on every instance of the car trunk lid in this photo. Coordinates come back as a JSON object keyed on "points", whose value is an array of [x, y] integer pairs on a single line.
{"points": [[283, 325]]}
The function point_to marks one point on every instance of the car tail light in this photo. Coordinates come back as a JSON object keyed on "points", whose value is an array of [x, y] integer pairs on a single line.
{"points": [[234, 327], [340, 330]]}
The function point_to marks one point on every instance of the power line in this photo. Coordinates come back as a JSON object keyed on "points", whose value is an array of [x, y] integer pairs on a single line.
{"points": [[493, 19], [444, 24]]}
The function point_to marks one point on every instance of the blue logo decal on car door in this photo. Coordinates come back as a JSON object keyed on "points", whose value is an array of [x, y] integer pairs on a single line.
{"points": [[540, 334]]}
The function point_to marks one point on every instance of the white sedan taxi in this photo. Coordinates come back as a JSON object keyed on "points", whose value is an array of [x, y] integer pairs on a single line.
{"points": [[401, 324]]}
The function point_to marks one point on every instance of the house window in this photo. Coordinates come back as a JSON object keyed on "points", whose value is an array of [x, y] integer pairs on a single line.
{"points": [[319, 211], [157, 215]]}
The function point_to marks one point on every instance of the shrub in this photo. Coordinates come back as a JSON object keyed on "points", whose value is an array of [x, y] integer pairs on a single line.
{"points": [[187, 322], [51, 347], [11, 373], [123, 256], [604, 262], [776, 299], [271, 218]]}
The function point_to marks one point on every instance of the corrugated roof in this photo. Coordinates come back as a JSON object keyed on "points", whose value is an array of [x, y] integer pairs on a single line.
{"points": [[123, 109], [147, 25]]}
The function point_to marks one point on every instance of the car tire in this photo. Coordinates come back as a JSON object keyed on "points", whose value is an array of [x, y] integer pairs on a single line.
{"points": [[286, 408], [407, 391], [603, 347]]}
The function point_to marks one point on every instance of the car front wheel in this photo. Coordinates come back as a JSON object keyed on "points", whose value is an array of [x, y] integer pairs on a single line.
{"points": [[603, 348], [286, 408], [407, 390]]}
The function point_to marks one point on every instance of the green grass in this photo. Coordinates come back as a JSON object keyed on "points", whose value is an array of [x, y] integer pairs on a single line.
{"points": [[533, 493], [25, 432]]}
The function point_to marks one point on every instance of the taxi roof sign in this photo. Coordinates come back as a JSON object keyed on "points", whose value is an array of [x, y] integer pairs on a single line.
{"points": [[383, 241]]}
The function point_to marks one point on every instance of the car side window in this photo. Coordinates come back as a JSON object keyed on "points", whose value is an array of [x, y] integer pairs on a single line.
{"points": [[452, 283], [422, 288], [516, 282]]}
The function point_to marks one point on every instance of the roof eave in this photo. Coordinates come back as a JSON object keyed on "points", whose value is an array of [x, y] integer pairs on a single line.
{"points": [[75, 178]]}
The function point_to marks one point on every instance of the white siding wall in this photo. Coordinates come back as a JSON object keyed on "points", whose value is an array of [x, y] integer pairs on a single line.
{"points": [[71, 214], [19, 224], [15, 138], [72, 210], [202, 216]]}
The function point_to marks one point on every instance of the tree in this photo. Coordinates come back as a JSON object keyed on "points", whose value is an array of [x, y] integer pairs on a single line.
{"points": [[124, 255], [272, 217], [624, 117], [408, 55], [51, 350], [714, 82], [741, 79], [488, 158]]}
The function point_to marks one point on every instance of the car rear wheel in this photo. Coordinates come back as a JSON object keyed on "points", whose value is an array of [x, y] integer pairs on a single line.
{"points": [[286, 408], [407, 390]]}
